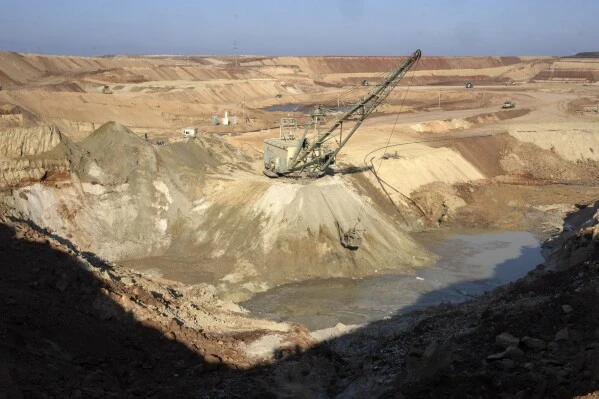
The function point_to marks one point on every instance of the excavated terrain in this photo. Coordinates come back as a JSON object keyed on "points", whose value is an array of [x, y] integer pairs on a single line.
{"points": [[125, 247]]}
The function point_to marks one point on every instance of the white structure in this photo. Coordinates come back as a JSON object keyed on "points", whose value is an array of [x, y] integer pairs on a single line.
{"points": [[226, 118], [190, 131]]}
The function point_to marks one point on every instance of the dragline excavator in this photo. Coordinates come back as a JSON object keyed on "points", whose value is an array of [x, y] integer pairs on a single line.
{"points": [[310, 157]]}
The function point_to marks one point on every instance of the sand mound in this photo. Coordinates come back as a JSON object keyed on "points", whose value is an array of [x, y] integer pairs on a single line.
{"points": [[334, 71], [15, 116], [571, 70], [117, 154], [126, 197], [446, 125], [281, 231], [71, 87], [121, 155]]}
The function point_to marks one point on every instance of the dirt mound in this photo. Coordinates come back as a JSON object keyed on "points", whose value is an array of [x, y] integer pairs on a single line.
{"points": [[568, 76], [335, 71], [15, 116], [278, 232], [446, 125], [128, 198], [65, 86], [118, 151], [5, 80], [571, 69], [121, 154], [340, 64], [484, 153], [10, 109], [16, 67], [25, 68], [118, 76]]}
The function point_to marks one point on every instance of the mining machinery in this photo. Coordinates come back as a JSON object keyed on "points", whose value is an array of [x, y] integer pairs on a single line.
{"points": [[311, 154]]}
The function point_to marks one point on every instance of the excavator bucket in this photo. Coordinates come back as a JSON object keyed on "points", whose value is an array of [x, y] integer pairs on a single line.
{"points": [[351, 239]]}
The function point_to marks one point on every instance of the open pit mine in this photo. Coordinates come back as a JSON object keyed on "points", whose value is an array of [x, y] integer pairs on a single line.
{"points": [[284, 227]]}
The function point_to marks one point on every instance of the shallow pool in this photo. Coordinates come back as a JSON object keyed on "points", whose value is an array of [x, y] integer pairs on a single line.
{"points": [[468, 265]]}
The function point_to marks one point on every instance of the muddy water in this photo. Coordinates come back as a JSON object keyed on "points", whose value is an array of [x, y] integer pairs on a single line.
{"points": [[468, 265]]}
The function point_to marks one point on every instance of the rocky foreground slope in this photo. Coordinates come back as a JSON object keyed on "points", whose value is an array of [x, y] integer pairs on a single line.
{"points": [[74, 325]]}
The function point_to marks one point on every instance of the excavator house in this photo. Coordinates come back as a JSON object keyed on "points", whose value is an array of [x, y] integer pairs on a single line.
{"points": [[311, 154]]}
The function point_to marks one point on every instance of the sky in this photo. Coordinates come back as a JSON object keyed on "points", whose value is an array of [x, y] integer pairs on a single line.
{"points": [[300, 27]]}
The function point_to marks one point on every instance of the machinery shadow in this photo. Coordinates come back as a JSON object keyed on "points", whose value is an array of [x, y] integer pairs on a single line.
{"points": [[351, 170]]}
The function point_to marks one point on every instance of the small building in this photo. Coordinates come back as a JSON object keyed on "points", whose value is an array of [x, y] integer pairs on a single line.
{"points": [[225, 121], [190, 131]]}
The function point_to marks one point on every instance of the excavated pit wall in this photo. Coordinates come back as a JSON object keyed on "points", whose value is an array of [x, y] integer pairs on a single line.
{"points": [[124, 198], [20, 148]]}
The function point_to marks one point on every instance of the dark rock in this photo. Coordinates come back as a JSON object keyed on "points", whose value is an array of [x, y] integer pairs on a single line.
{"points": [[553, 346], [212, 362], [513, 352], [416, 352], [567, 308], [436, 357], [10, 301], [496, 356], [564, 373], [505, 340], [170, 336], [508, 364], [562, 335], [575, 335], [552, 362], [62, 285], [528, 366], [534, 344]]}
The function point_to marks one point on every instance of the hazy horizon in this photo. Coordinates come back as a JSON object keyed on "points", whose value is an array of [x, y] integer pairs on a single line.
{"points": [[308, 28]]}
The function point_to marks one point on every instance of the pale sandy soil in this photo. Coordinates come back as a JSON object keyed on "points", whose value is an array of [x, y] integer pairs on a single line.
{"points": [[91, 188]]}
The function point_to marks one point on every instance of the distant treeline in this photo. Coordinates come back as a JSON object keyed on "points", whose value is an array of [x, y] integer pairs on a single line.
{"points": [[586, 54]]}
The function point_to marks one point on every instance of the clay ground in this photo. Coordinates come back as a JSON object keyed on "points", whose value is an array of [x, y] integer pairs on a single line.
{"points": [[81, 195]]}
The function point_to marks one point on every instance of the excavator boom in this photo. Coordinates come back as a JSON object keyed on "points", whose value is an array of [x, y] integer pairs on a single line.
{"points": [[302, 157]]}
